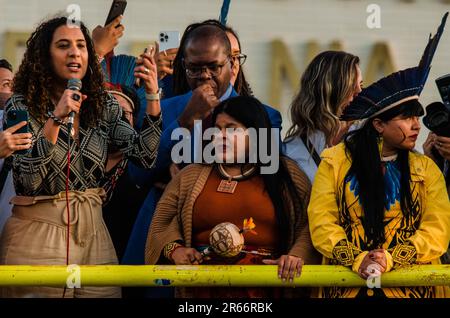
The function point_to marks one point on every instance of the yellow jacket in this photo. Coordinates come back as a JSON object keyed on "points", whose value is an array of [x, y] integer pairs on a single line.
{"points": [[423, 246]]}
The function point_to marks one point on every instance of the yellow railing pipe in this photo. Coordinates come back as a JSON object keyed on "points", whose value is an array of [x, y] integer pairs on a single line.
{"points": [[213, 275]]}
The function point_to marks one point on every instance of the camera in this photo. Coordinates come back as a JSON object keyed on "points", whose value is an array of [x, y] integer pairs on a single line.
{"points": [[438, 114], [168, 40], [12, 116]]}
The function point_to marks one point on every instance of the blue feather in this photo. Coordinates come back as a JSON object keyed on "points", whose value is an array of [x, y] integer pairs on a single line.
{"points": [[224, 12], [391, 185], [395, 87], [122, 72], [428, 54]]}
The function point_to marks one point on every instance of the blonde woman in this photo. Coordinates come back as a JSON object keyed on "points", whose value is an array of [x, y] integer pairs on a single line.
{"points": [[328, 85]]}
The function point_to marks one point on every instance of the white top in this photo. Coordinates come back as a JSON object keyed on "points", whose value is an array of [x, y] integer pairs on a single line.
{"points": [[296, 150]]}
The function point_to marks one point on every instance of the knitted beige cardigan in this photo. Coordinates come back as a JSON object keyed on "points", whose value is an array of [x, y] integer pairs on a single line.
{"points": [[172, 220]]}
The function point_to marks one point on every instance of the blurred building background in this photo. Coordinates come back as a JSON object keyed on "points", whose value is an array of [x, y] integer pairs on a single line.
{"points": [[279, 36]]}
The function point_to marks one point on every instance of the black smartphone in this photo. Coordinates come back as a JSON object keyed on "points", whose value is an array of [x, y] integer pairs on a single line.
{"points": [[117, 8], [13, 117]]}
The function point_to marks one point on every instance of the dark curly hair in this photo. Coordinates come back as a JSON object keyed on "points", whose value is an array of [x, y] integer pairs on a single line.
{"points": [[35, 77]]}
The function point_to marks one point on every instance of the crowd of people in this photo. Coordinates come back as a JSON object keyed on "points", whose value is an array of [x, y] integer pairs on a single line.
{"points": [[350, 189]]}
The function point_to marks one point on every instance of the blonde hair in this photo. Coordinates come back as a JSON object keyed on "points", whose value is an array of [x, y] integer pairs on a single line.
{"points": [[328, 81]]}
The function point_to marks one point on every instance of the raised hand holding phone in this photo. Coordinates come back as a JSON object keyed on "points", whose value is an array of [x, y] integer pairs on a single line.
{"points": [[146, 72], [16, 137], [107, 38], [164, 61], [141, 67], [117, 9]]}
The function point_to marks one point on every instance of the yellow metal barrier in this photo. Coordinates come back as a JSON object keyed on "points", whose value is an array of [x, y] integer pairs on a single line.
{"points": [[234, 275]]}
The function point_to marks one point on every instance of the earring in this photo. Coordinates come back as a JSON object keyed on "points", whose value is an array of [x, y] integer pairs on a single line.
{"points": [[380, 145]]}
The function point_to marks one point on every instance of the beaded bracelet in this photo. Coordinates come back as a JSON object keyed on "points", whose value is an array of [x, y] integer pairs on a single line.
{"points": [[153, 97], [57, 120]]}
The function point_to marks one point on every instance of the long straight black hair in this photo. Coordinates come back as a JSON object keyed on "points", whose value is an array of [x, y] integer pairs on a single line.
{"points": [[362, 146], [251, 113]]}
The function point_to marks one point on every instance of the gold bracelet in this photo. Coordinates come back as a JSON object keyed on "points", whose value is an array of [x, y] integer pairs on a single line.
{"points": [[170, 248]]}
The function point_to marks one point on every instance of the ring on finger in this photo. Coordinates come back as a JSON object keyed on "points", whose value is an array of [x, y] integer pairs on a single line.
{"points": [[146, 70], [76, 97]]}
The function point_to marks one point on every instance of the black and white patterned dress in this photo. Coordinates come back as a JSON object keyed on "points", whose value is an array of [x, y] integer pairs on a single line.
{"points": [[42, 171]]}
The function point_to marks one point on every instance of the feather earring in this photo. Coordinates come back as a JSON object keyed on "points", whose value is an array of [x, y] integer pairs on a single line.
{"points": [[380, 145]]}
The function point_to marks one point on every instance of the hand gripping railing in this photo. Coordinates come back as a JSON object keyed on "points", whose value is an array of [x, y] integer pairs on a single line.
{"points": [[214, 275]]}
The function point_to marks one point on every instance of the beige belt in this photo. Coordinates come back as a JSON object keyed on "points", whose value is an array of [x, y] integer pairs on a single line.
{"points": [[85, 210]]}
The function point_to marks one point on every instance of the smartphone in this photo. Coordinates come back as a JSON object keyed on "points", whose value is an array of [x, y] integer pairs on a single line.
{"points": [[117, 8], [13, 117], [168, 40], [150, 48]]}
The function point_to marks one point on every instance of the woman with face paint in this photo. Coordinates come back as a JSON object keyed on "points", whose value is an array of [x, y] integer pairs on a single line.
{"points": [[198, 199], [377, 205]]}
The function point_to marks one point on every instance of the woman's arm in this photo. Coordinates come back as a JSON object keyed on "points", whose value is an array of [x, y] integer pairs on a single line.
{"points": [[323, 213], [141, 148], [165, 227], [32, 168]]}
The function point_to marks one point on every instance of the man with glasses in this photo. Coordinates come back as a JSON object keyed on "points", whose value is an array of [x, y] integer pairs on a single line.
{"points": [[240, 84], [208, 62]]}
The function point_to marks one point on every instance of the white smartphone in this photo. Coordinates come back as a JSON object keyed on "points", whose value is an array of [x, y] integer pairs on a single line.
{"points": [[168, 40]]}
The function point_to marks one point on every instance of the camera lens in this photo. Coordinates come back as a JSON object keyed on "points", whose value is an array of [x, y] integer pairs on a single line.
{"points": [[438, 119], [12, 115]]}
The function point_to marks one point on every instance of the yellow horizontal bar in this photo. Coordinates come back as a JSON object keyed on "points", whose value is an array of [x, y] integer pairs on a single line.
{"points": [[217, 275]]}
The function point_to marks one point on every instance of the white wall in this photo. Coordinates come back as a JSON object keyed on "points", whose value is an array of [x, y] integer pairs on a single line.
{"points": [[405, 25]]}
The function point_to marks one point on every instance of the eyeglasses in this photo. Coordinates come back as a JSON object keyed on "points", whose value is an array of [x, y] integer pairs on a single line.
{"points": [[194, 71], [240, 57]]}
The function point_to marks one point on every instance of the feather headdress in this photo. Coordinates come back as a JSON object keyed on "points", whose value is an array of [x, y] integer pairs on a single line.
{"points": [[396, 88], [119, 71]]}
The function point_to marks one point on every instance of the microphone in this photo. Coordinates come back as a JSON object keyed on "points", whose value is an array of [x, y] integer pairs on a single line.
{"points": [[73, 84]]}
